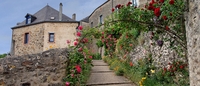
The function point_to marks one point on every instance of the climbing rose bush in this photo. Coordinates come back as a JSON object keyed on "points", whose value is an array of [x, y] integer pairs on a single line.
{"points": [[79, 63], [158, 17]]}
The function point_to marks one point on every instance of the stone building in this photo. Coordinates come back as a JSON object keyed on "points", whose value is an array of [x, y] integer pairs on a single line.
{"points": [[47, 28], [102, 12]]}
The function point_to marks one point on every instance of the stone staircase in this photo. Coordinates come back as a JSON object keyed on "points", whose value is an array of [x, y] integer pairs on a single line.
{"points": [[101, 75]]}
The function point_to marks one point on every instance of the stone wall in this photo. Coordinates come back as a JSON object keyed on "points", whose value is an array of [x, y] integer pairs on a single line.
{"points": [[35, 42], [62, 33], [42, 69], [193, 41], [162, 55]]}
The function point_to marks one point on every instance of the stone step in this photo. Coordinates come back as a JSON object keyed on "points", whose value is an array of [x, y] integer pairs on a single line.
{"points": [[100, 69], [107, 78], [114, 85], [99, 63]]}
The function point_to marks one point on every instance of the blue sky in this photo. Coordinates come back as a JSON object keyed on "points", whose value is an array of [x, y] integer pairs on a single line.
{"points": [[12, 12]]}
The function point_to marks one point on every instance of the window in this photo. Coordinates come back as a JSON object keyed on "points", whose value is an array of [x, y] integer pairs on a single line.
{"points": [[28, 19], [91, 24], [26, 38], [134, 3], [101, 19], [51, 37]]}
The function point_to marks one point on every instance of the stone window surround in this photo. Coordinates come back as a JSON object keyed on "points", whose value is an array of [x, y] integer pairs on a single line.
{"points": [[25, 38], [101, 19], [49, 37]]}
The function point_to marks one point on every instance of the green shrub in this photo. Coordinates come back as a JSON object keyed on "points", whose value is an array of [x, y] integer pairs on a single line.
{"points": [[96, 56], [2, 55]]}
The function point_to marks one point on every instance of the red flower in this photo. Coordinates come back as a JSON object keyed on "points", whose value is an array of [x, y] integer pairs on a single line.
{"points": [[75, 43], [113, 9], [90, 57], [102, 37], [151, 8], [80, 27], [80, 49], [68, 41], [127, 36], [78, 68], [164, 17], [67, 83], [170, 67], [85, 40], [78, 34], [167, 28], [129, 3], [181, 67], [161, 1], [165, 69], [152, 2], [118, 6], [157, 11], [131, 64], [171, 2], [76, 39]]}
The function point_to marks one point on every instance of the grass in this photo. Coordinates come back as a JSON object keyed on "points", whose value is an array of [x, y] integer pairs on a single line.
{"points": [[137, 72], [123, 68]]}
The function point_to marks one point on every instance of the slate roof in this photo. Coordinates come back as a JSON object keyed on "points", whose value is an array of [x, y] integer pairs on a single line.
{"points": [[44, 15], [86, 19]]}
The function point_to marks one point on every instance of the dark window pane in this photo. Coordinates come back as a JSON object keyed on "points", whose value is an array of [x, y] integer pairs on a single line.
{"points": [[26, 38], [91, 24], [101, 19]]}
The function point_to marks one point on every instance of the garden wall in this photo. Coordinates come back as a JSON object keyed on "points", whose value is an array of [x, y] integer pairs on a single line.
{"points": [[162, 55], [42, 69], [193, 41]]}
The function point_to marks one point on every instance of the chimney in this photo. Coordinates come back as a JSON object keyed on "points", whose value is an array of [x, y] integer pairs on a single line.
{"points": [[60, 12], [74, 16]]}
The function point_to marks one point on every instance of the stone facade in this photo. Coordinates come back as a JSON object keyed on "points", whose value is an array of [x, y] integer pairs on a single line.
{"points": [[193, 41], [44, 69], [39, 37], [105, 10], [46, 29], [63, 32], [35, 43]]}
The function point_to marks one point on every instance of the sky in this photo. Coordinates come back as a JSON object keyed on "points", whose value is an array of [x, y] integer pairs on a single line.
{"points": [[12, 12]]}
